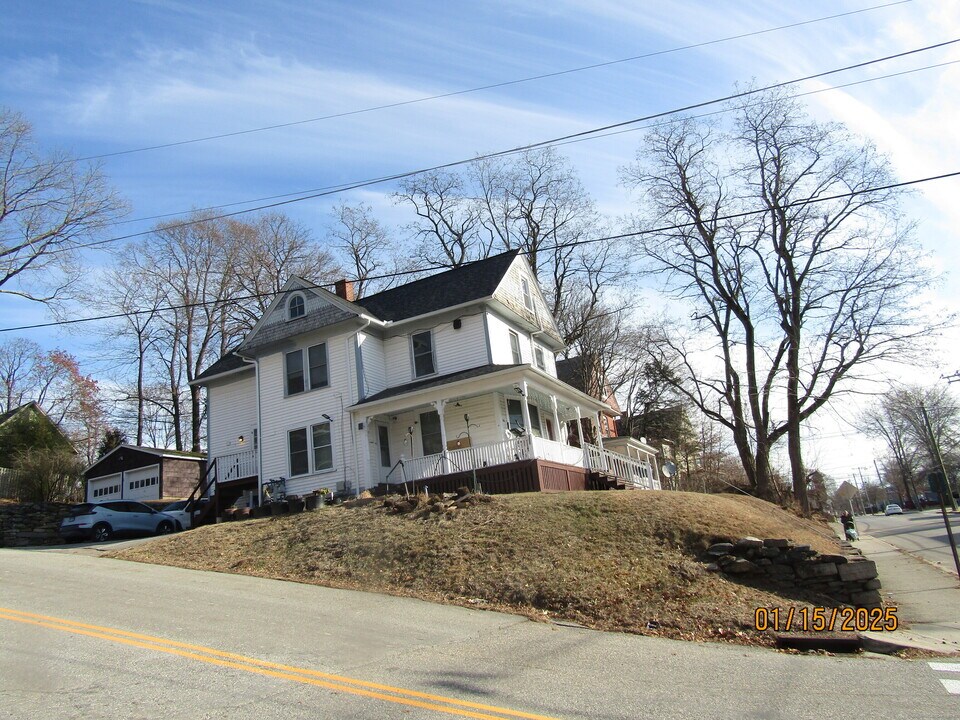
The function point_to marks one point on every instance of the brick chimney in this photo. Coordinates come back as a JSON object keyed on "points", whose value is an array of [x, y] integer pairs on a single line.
{"points": [[344, 288]]}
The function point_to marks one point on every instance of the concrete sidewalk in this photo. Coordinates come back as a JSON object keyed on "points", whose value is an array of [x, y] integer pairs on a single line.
{"points": [[927, 598]]}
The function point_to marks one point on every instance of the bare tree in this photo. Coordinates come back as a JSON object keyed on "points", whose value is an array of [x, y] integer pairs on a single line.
{"points": [[797, 266], [49, 205], [369, 252], [448, 218], [884, 420]]}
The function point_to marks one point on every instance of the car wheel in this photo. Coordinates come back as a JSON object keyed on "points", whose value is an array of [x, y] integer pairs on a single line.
{"points": [[102, 532], [165, 528]]}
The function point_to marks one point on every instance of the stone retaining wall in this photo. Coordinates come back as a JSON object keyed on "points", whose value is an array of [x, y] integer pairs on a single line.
{"points": [[23, 524], [848, 578]]}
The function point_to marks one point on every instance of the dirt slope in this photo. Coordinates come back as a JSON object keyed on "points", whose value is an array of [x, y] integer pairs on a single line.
{"points": [[610, 560]]}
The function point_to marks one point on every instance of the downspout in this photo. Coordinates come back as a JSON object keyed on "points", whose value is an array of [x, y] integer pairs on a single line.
{"points": [[256, 370], [358, 366]]}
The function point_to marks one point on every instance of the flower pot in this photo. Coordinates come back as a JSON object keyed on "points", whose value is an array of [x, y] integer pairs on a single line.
{"points": [[311, 502], [296, 503], [259, 511], [279, 508]]}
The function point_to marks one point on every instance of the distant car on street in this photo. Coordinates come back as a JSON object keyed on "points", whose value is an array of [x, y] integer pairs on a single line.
{"points": [[102, 521], [893, 509]]}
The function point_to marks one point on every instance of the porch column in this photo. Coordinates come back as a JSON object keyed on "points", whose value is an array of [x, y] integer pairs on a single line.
{"points": [[525, 407], [365, 477], [600, 430], [583, 445], [556, 420], [445, 463]]}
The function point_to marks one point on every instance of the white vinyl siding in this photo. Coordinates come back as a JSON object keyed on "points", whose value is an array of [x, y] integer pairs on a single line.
{"points": [[281, 413], [232, 413], [374, 364], [453, 349]]}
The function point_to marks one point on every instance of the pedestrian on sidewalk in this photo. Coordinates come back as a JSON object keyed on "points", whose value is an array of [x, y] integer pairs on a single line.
{"points": [[849, 528]]}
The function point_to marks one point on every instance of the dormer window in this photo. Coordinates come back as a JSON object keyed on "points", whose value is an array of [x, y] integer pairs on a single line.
{"points": [[296, 307], [527, 297]]}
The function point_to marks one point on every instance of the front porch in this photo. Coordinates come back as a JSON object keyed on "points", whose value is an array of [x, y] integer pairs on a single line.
{"points": [[503, 417], [524, 463]]}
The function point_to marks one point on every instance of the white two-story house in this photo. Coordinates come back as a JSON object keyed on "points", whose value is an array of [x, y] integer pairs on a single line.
{"points": [[442, 381]]}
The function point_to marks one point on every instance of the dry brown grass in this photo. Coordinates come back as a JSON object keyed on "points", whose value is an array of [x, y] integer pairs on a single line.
{"points": [[609, 560]]}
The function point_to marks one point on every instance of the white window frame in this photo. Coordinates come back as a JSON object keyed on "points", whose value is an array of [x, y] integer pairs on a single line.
{"points": [[312, 448], [413, 355], [515, 353], [539, 359], [527, 295], [303, 306], [305, 370]]}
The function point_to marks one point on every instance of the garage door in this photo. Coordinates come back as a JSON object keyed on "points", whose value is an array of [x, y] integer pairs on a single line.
{"points": [[104, 488], [142, 484]]}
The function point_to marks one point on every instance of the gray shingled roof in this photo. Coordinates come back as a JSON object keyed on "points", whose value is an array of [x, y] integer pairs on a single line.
{"points": [[437, 381], [474, 281], [230, 361]]}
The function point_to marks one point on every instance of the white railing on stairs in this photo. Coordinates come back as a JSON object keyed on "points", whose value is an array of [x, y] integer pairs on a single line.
{"points": [[634, 473], [237, 465]]}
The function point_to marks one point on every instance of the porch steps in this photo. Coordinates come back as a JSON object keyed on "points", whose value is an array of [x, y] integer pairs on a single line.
{"points": [[601, 480]]}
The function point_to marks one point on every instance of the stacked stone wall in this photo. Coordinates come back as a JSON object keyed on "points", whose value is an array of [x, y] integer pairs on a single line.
{"points": [[847, 578], [24, 524]]}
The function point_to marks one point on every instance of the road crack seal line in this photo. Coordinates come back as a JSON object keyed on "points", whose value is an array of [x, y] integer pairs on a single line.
{"points": [[318, 678]]}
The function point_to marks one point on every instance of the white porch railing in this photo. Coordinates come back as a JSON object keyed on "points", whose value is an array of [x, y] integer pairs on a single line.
{"points": [[237, 465], [634, 473], [470, 458]]}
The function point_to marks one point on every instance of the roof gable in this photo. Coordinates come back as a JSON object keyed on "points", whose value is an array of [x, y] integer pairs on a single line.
{"points": [[322, 309]]}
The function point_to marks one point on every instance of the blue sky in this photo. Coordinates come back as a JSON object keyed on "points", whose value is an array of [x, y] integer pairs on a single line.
{"points": [[103, 77]]}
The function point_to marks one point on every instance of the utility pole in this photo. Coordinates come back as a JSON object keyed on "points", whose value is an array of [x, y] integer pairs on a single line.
{"points": [[943, 488]]}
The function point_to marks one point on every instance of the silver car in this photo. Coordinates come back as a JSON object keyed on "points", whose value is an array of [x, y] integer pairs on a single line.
{"points": [[181, 511], [101, 521]]}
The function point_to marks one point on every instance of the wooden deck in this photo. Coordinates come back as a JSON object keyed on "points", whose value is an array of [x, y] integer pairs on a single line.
{"points": [[515, 477]]}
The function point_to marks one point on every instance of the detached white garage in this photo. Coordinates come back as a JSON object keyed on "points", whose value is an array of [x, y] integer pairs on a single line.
{"points": [[133, 472]]}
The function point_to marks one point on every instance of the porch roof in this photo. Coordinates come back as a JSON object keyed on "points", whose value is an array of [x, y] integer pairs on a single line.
{"points": [[436, 382], [478, 380]]}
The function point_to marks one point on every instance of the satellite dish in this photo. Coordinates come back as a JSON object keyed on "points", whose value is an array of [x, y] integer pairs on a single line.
{"points": [[669, 469]]}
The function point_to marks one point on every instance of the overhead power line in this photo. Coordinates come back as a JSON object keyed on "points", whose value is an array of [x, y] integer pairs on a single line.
{"points": [[563, 139], [492, 86], [606, 238], [346, 186]]}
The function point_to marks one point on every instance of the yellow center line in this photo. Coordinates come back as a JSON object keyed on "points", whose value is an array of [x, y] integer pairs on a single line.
{"points": [[270, 669]]}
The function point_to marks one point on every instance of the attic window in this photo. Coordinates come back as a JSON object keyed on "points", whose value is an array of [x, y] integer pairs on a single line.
{"points": [[527, 297], [296, 307]]}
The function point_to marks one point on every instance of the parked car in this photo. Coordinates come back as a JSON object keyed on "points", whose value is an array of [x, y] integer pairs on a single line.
{"points": [[893, 509], [179, 511], [101, 521]]}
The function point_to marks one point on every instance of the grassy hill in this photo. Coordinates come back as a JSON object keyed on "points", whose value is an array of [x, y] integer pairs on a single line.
{"points": [[610, 560]]}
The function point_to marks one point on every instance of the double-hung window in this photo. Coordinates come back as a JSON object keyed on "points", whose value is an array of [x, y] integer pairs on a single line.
{"points": [[294, 369], [310, 449], [317, 355], [515, 348], [527, 297], [298, 452], [539, 359], [423, 361], [314, 375]]}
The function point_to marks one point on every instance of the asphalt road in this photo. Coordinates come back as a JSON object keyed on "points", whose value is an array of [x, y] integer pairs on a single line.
{"points": [[921, 534], [88, 637]]}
